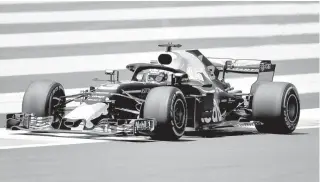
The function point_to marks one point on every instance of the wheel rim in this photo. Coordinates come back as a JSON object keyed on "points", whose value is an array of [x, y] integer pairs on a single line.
{"points": [[179, 114], [292, 108]]}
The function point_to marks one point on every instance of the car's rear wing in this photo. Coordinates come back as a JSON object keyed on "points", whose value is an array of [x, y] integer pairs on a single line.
{"points": [[246, 66], [263, 68]]}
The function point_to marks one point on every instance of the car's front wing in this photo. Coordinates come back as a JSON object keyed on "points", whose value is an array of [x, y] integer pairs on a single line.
{"points": [[106, 127]]}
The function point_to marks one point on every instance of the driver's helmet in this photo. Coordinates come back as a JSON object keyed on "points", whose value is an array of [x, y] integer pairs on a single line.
{"points": [[158, 76]]}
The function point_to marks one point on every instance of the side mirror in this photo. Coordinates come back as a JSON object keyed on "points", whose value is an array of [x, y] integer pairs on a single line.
{"points": [[109, 72], [112, 73]]}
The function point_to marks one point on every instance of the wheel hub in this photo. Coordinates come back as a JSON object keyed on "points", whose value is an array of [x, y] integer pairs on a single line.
{"points": [[292, 107]]}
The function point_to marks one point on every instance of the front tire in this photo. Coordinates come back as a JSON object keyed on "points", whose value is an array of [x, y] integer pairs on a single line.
{"points": [[169, 107], [39, 99], [277, 106]]}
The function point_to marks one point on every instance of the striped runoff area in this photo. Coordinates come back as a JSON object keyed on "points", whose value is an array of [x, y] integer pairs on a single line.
{"points": [[73, 42]]}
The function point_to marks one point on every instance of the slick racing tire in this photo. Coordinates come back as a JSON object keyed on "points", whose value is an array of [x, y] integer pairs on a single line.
{"points": [[277, 106], [168, 106], [38, 99]]}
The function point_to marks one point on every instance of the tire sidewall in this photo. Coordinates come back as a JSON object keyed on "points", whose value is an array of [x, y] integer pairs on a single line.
{"points": [[39, 95], [290, 91]]}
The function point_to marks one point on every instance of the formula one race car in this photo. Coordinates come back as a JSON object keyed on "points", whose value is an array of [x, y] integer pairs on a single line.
{"points": [[181, 90]]}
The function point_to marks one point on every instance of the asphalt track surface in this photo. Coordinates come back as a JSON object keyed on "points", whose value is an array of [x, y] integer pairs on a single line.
{"points": [[227, 155]]}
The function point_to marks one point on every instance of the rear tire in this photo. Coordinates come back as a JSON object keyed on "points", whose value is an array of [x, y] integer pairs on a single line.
{"points": [[38, 99], [169, 107], [277, 106]]}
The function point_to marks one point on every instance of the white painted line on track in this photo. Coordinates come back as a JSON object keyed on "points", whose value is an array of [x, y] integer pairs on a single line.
{"points": [[307, 127], [59, 137], [55, 139], [310, 114], [49, 140], [119, 61], [9, 2], [18, 135], [45, 145], [54, 1], [149, 34], [159, 13], [309, 118], [298, 128]]}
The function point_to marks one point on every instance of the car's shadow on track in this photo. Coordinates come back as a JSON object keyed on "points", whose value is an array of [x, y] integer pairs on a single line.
{"points": [[217, 133], [228, 132]]}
